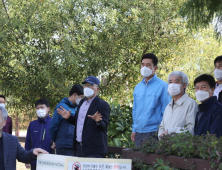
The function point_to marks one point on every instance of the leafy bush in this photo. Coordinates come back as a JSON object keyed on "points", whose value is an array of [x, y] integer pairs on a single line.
{"points": [[120, 126], [187, 146], [158, 165]]}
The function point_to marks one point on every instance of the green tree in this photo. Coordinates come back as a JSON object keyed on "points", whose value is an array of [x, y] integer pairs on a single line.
{"points": [[201, 13], [48, 45]]}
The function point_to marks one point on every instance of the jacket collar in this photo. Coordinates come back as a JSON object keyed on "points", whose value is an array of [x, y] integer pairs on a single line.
{"points": [[207, 103], [44, 120], [68, 102], [151, 80], [180, 100]]}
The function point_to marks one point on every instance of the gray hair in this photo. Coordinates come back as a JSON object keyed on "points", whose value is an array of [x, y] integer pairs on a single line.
{"points": [[3, 113], [179, 74]]}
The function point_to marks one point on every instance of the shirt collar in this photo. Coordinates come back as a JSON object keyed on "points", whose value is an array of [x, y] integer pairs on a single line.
{"points": [[180, 100], [149, 81], [218, 85], [90, 100]]}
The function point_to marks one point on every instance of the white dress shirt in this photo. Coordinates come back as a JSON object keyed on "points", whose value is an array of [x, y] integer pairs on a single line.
{"points": [[217, 90], [176, 116]]}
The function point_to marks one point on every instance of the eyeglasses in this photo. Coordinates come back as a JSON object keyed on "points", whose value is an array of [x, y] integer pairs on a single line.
{"points": [[81, 97], [87, 85]]}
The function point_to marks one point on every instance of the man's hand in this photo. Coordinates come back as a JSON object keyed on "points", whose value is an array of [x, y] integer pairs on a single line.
{"points": [[28, 166], [164, 133], [36, 151], [97, 117], [133, 136], [53, 145], [63, 112]]}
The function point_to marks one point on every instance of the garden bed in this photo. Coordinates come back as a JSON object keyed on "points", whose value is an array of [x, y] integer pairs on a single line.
{"points": [[175, 161]]}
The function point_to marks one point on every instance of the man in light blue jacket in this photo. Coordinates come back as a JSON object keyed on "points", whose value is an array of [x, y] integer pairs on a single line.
{"points": [[62, 132], [150, 100]]}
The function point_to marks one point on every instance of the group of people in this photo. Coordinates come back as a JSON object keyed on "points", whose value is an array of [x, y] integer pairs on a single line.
{"points": [[78, 126], [80, 121], [164, 108]]}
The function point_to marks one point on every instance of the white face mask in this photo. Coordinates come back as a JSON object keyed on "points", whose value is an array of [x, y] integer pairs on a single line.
{"points": [[88, 92], [77, 101], [202, 95], [174, 89], [2, 104], [218, 74], [145, 71], [41, 113]]}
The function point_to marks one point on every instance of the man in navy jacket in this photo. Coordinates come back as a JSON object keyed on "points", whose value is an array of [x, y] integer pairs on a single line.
{"points": [[38, 131], [209, 116], [91, 121], [62, 132]]}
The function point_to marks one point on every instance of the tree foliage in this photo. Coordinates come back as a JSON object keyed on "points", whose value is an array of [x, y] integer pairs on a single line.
{"points": [[201, 13], [47, 46]]}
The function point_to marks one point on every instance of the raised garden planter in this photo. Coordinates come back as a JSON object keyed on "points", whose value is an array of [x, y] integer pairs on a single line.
{"points": [[175, 161]]}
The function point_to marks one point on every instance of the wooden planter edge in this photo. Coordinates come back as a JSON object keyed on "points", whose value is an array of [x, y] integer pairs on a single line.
{"points": [[175, 161]]}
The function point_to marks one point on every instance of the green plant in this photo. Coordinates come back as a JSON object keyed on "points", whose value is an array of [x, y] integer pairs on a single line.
{"points": [[158, 165], [120, 126], [185, 145]]}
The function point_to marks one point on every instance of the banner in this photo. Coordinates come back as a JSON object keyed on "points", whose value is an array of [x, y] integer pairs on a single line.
{"points": [[59, 162], [50, 162], [98, 164]]}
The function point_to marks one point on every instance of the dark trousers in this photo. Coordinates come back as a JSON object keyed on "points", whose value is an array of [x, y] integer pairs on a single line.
{"points": [[65, 151], [33, 167], [142, 137], [80, 153]]}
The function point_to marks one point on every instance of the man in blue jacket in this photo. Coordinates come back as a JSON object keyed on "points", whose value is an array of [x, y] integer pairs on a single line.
{"points": [[150, 100], [209, 116], [91, 120], [62, 132], [38, 131]]}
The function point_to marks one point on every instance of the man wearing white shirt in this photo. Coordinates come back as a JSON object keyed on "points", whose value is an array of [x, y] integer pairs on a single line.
{"points": [[180, 113], [218, 76]]}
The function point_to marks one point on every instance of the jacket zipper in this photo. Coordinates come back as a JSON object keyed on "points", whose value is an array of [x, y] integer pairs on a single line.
{"points": [[43, 137]]}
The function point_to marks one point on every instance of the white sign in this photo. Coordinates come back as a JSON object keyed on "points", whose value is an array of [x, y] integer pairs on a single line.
{"points": [[59, 162], [98, 164], [50, 162]]}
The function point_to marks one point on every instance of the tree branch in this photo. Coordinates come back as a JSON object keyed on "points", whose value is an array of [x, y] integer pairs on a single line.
{"points": [[5, 9]]}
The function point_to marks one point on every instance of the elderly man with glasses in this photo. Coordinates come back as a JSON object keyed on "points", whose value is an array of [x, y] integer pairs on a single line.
{"points": [[91, 121]]}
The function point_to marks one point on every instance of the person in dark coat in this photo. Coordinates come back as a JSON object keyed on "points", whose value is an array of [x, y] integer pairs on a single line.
{"points": [[209, 116], [91, 121], [218, 76], [10, 149], [38, 130]]}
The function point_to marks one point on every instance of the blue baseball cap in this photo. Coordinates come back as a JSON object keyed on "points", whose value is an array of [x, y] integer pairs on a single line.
{"points": [[91, 80]]}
